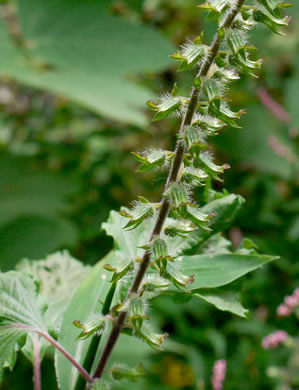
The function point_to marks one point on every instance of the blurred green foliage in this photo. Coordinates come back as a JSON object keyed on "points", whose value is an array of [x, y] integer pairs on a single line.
{"points": [[65, 163]]}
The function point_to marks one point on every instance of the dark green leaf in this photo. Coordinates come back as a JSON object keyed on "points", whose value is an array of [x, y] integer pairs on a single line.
{"points": [[218, 270]]}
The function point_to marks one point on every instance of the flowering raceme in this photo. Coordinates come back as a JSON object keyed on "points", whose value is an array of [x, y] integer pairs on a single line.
{"points": [[289, 305], [274, 339], [219, 373]]}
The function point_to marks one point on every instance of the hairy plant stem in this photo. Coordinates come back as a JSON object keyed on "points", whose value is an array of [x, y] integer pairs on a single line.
{"points": [[172, 177], [36, 366]]}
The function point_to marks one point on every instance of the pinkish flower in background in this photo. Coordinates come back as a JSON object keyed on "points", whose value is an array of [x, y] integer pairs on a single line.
{"points": [[274, 339], [219, 372], [289, 305]]}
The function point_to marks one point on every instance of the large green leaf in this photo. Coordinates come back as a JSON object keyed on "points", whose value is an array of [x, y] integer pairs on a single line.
{"points": [[21, 312], [26, 190], [58, 275], [86, 301], [33, 237], [32, 204], [211, 271], [90, 54], [223, 300], [226, 209]]}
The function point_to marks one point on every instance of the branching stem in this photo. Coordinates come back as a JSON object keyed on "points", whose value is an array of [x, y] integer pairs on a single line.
{"points": [[173, 175]]}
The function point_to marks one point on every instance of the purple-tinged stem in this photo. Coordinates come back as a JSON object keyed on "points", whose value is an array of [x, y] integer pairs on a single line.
{"points": [[61, 349], [36, 366], [55, 344], [273, 106]]}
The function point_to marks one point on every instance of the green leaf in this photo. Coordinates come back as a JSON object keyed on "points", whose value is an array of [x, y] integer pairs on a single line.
{"points": [[215, 245], [34, 237], [88, 64], [213, 271], [21, 311], [225, 211], [225, 301], [30, 191], [84, 303], [32, 204], [58, 276]]}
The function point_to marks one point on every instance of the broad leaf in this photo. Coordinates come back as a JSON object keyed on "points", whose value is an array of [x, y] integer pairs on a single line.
{"points": [[21, 311], [34, 237], [89, 65], [32, 203], [58, 275], [225, 211], [225, 301], [30, 191], [211, 271]]}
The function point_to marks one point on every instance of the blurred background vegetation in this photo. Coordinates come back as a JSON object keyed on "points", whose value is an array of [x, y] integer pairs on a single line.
{"points": [[74, 76]]}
